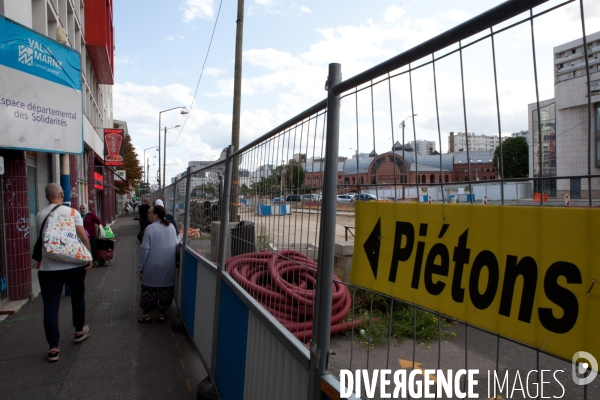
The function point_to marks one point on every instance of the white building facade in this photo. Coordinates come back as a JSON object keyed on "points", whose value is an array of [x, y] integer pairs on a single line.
{"points": [[424, 147], [565, 125], [70, 27], [458, 142]]}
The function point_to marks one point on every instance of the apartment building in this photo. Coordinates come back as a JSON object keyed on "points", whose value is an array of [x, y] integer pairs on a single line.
{"points": [[564, 126], [458, 142], [424, 147], [65, 54]]}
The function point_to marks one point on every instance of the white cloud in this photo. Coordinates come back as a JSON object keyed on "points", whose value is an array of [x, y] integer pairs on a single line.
{"points": [[393, 14], [123, 60], [177, 72], [213, 72], [270, 58], [455, 15], [172, 38], [193, 9], [266, 3], [305, 9]]}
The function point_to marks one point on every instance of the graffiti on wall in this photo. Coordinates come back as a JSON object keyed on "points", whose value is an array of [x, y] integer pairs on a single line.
{"points": [[23, 226]]}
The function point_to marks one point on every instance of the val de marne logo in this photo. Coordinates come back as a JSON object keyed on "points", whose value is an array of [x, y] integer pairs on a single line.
{"points": [[26, 55]]}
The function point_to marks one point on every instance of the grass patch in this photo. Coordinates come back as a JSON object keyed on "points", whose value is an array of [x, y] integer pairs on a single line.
{"points": [[262, 238], [375, 329]]}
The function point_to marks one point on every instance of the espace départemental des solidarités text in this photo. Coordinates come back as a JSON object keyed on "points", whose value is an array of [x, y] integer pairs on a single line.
{"points": [[37, 112]]}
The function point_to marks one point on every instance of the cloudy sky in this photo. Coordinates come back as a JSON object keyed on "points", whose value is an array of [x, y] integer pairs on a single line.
{"points": [[161, 51]]}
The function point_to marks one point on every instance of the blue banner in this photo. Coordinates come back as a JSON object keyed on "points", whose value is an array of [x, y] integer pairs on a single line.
{"points": [[28, 51]]}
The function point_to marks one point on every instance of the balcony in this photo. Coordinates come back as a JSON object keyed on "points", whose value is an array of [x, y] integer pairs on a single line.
{"points": [[569, 57]]}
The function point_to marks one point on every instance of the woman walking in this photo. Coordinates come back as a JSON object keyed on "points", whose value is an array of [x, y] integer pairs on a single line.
{"points": [[91, 222], [157, 265]]}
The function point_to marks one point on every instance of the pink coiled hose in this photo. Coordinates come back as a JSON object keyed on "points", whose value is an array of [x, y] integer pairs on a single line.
{"points": [[284, 283]]}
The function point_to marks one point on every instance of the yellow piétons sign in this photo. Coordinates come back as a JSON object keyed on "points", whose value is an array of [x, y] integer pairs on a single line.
{"points": [[526, 273]]}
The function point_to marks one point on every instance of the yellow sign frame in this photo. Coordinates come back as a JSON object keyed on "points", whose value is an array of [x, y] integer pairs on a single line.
{"points": [[526, 273]]}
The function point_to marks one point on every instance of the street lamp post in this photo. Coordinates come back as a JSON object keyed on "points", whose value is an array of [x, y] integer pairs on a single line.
{"points": [[184, 111], [145, 159], [165, 156], [147, 173], [357, 173], [402, 125]]}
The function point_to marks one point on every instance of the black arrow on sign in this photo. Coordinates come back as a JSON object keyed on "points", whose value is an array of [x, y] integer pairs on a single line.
{"points": [[372, 245]]}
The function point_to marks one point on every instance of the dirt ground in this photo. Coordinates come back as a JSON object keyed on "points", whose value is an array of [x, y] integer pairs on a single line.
{"points": [[299, 227]]}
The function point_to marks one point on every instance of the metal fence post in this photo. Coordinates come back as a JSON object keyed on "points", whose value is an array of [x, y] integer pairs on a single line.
{"points": [[225, 199], [319, 348], [174, 199], [186, 225], [222, 256]]}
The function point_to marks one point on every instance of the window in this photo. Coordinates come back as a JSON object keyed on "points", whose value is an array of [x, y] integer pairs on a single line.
{"points": [[597, 135]]}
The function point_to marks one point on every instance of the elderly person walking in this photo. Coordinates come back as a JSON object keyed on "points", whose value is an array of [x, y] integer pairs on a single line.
{"points": [[91, 222], [156, 266]]}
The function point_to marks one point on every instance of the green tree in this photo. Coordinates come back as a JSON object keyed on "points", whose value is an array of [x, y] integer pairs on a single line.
{"points": [[268, 185], [132, 167], [293, 176], [515, 158]]}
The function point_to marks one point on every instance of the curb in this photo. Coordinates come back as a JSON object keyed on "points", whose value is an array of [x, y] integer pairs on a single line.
{"points": [[13, 307]]}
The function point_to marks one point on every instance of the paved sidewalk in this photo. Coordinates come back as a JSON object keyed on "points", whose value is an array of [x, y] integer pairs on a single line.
{"points": [[122, 359]]}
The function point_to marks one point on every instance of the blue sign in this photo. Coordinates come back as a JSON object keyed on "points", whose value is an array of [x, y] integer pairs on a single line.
{"points": [[40, 92], [32, 53]]}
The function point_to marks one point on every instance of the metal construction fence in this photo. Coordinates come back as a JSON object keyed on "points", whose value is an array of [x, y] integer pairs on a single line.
{"points": [[269, 323]]}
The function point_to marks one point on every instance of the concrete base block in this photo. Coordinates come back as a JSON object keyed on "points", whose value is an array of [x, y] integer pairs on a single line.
{"points": [[343, 257]]}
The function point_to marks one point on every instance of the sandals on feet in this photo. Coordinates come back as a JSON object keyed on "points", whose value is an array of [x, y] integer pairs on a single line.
{"points": [[145, 319], [161, 319]]}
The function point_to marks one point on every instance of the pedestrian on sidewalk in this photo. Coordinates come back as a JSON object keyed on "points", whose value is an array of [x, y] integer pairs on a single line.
{"points": [[161, 203], [144, 222], [53, 275], [156, 266], [91, 223]]}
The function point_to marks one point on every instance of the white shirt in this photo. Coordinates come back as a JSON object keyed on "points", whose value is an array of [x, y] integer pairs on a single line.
{"points": [[53, 265]]}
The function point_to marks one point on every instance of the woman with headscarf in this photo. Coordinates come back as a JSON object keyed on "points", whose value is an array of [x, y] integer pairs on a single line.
{"points": [[90, 224], [156, 266]]}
